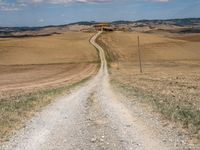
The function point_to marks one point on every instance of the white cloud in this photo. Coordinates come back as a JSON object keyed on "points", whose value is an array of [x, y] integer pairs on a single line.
{"points": [[5, 5], [163, 1], [62, 1], [41, 20]]}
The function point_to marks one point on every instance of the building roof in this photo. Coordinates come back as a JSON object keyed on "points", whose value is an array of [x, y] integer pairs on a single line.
{"points": [[102, 25]]}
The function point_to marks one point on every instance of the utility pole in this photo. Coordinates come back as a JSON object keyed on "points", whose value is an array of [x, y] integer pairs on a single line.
{"points": [[139, 55]]}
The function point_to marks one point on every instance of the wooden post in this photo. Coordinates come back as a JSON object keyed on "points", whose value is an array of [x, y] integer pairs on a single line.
{"points": [[139, 55], [117, 64]]}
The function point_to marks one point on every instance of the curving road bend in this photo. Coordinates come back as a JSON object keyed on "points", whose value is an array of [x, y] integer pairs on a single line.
{"points": [[92, 117]]}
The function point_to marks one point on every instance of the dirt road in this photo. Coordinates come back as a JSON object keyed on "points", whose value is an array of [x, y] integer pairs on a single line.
{"points": [[95, 117]]}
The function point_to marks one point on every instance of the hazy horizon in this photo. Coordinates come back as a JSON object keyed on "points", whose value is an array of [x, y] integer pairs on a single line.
{"points": [[96, 22]]}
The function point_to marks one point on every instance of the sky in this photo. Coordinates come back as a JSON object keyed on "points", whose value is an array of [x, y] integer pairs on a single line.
{"points": [[57, 12]]}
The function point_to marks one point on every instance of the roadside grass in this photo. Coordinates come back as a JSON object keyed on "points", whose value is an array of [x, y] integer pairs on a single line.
{"points": [[110, 57], [172, 109], [15, 110]]}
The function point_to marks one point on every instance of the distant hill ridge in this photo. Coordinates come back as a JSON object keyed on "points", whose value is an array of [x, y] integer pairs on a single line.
{"points": [[185, 21], [167, 24]]}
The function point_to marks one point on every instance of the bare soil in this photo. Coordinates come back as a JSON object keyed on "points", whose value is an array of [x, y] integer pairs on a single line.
{"points": [[188, 37], [29, 77]]}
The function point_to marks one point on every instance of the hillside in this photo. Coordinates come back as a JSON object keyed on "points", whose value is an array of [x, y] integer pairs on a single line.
{"points": [[188, 25]]}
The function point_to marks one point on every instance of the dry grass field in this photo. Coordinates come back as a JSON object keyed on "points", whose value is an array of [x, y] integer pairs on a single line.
{"points": [[123, 46], [171, 77], [34, 70], [27, 63], [72, 47]]}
